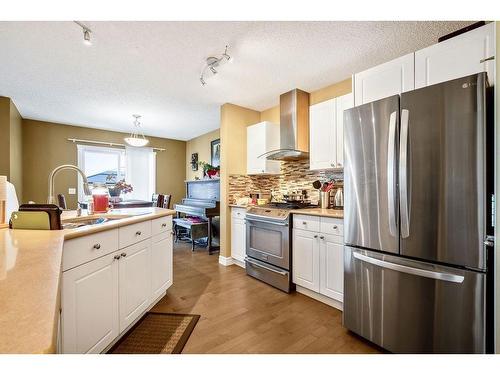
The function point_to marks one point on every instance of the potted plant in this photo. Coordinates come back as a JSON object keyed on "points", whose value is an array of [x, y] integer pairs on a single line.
{"points": [[209, 170], [119, 187]]}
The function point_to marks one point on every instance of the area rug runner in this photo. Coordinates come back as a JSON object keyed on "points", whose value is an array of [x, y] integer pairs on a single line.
{"points": [[157, 333]]}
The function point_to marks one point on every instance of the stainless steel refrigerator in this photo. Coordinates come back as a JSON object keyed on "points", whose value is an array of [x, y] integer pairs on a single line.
{"points": [[417, 219]]}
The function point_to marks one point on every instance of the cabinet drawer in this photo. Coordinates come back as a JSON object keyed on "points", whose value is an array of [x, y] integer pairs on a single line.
{"points": [[332, 226], [305, 222], [84, 249], [160, 225], [134, 233], [238, 213]]}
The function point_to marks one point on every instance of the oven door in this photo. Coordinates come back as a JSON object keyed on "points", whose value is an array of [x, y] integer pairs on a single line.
{"points": [[268, 241]]}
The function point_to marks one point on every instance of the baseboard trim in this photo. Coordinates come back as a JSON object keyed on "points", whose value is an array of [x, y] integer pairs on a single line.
{"points": [[239, 263], [225, 261], [321, 298]]}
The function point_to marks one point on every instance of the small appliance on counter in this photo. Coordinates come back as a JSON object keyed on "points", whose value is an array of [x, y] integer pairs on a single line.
{"points": [[36, 216]]}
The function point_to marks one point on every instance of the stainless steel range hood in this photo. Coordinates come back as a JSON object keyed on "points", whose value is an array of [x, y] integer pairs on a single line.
{"points": [[294, 127]]}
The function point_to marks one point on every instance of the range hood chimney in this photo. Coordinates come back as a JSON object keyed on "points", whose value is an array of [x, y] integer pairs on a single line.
{"points": [[294, 127]]}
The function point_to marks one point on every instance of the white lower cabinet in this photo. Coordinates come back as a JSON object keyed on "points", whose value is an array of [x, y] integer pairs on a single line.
{"points": [[306, 259], [135, 282], [161, 264], [331, 271], [103, 297], [318, 259], [238, 234], [90, 306]]}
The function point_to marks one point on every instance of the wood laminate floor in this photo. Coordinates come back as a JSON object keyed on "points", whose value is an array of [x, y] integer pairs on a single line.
{"points": [[240, 314]]}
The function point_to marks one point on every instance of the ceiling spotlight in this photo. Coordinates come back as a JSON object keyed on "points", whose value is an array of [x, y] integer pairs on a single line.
{"points": [[213, 62], [86, 33]]}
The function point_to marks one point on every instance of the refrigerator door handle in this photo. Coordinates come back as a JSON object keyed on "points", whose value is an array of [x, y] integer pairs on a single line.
{"points": [[403, 174], [391, 180], [410, 270]]}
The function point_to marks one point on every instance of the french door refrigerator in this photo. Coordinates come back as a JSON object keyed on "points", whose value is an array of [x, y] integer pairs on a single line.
{"points": [[416, 218]]}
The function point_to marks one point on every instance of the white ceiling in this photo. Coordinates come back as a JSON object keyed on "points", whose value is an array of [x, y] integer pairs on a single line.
{"points": [[153, 68]]}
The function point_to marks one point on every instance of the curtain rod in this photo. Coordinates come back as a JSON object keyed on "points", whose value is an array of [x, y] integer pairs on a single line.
{"points": [[75, 140]]}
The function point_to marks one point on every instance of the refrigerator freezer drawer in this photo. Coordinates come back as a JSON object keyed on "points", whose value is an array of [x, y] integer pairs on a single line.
{"points": [[406, 306]]}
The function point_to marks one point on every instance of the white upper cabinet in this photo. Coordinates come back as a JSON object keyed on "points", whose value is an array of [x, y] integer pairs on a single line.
{"points": [[261, 138], [326, 132], [457, 57], [322, 119], [342, 103], [381, 81]]}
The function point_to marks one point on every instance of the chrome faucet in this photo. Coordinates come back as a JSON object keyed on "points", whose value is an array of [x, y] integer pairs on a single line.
{"points": [[52, 199]]}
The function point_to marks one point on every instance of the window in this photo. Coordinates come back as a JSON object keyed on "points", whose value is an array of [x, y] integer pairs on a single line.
{"points": [[137, 166]]}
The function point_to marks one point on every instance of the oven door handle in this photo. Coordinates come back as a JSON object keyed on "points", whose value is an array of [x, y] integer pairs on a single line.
{"points": [[282, 273], [267, 222]]}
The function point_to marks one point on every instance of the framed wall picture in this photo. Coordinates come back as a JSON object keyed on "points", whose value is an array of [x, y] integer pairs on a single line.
{"points": [[194, 161], [215, 153]]}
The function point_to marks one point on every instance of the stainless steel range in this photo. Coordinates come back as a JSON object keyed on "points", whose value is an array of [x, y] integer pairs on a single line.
{"points": [[269, 246]]}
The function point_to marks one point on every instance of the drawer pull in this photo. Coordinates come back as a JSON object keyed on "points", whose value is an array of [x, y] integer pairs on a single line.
{"points": [[97, 246], [322, 238], [304, 223], [335, 227], [315, 236], [164, 225], [116, 257], [123, 255], [138, 233]]}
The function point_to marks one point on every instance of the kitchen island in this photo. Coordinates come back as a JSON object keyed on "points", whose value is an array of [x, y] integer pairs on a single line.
{"points": [[31, 272]]}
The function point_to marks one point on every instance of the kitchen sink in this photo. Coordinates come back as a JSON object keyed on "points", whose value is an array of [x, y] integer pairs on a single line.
{"points": [[84, 221]]}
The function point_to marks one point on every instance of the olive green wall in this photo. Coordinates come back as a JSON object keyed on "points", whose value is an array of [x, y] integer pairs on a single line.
{"points": [[11, 144], [202, 146], [46, 146]]}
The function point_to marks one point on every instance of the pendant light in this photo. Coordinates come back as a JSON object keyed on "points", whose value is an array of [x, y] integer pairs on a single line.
{"points": [[137, 138]]}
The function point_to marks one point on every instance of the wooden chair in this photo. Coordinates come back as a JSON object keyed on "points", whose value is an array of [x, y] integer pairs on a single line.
{"points": [[161, 200], [61, 200]]}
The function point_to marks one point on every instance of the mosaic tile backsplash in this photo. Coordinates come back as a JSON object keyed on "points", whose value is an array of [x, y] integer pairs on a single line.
{"points": [[295, 176]]}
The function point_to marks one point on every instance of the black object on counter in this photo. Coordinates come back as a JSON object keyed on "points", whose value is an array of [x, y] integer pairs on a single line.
{"points": [[52, 210]]}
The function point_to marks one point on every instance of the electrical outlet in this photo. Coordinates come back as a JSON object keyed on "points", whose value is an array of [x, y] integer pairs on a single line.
{"points": [[71, 191]]}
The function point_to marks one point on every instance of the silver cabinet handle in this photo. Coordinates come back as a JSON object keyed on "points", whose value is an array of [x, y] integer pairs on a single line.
{"points": [[315, 236], [403, 174], [123, 254], [322, 237], [410, 270], [487, 59], [164, 225], [116, 257], [489, 241], [97, 246], [138, 233], [335, 227], [391, 180], [283, 273]]}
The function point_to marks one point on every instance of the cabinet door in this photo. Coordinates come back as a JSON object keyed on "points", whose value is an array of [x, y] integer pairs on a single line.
{"points": [[322, 135], [135, 281], [342, 103], [332, 267], [89, 300], [457, 57], [256, 146], [382, 81], [238, 239], [306, 259], [161, 264]]}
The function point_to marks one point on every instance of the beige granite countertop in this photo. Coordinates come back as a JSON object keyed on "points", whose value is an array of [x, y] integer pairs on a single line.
{"points": [[30, 278], [325, 212]]}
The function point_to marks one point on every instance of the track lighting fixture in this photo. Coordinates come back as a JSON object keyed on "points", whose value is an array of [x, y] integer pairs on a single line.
{"points": [[86, 33], [213, 62]]}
